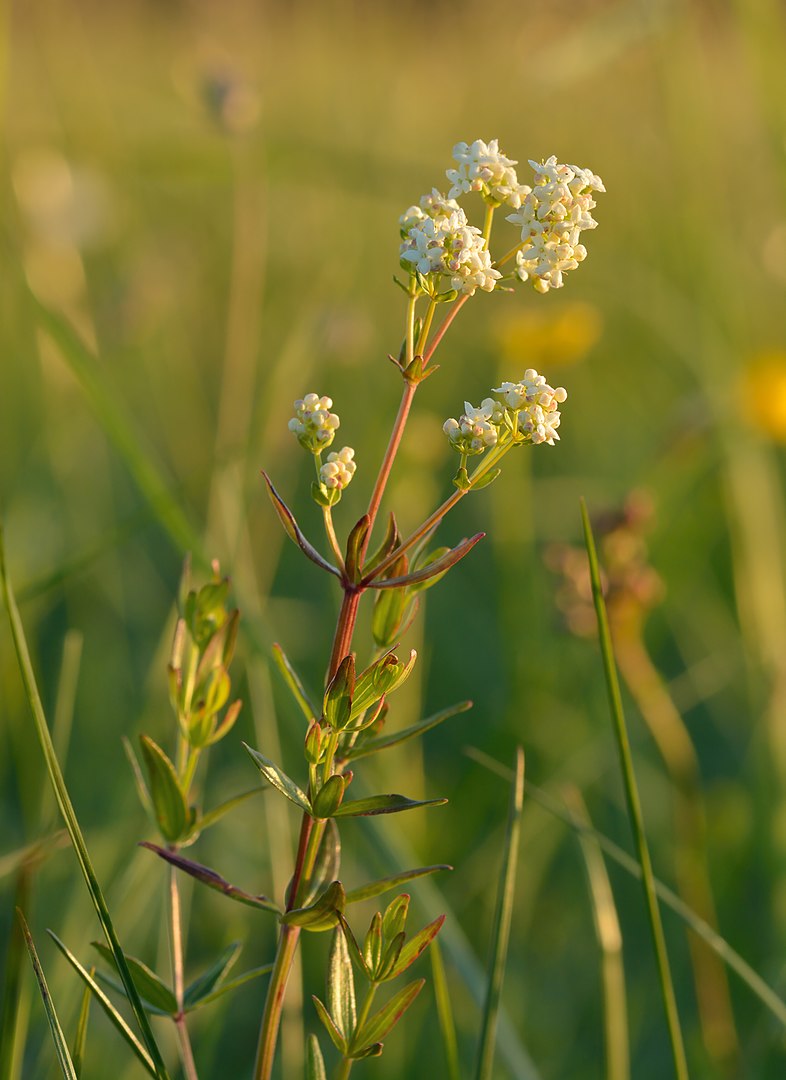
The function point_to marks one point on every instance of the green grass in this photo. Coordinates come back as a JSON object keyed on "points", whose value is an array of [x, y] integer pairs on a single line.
{"points": [[215, 280]]}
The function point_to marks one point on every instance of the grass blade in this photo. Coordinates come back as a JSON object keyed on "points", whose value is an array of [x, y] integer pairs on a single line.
{"points": [[58, 1038], [373, 746], [114, 1016], [634, 806], [444, 1011], [502, 921], [294, 682], [80, 1039], [69, 815], [12, 986], [758, 987], [609, 935]]}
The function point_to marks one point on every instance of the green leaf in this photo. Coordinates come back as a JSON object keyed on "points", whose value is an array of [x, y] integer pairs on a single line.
{"points": [[438, 567], [214, 815], [212, 879], [382, 804], [327, 865], [322, 914], [416, 946], [211, 978], [425, 561], [382, 677], [328, 799], [337, 706], [341, 986], [292, 679], [355, 544], [80, 1038], [233, 984], [377, 1027], [384, 885], [372, 944], [69, 816], [114, 1016], [292, 529], [394, 921], [391, 607], [58, 1038], [315, 1063], [355, 951], [150, 987], [390, 541], [139, 780], [337, 1038], [484, 481], [383, 742], [169, 802], [279, 779], [502, 921]]}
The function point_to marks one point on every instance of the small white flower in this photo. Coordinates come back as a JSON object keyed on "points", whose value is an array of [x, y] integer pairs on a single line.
{"points": [[552, 216], [534, 404], [339, 469], [449, 248], [476, 429], [313, 423], [482, 167]]}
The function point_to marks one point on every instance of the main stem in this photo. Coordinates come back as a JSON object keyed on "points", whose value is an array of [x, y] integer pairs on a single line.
{"points": [[186, 1053]]}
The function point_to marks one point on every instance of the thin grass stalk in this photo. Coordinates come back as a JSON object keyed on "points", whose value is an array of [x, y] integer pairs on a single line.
{"points": [[502, 923], [634, 807], [609, 935], [70, 819], [58, 1038], [176, 928], [447, 1025], [758, 987], [12, 985]]}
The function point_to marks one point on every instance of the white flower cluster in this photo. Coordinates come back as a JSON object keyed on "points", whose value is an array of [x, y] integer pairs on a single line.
{"points": [[338, 470], [535, 402], [482, 167], [438, 240], [313, 423], [552, 216], [521, 412], [476, 429]]}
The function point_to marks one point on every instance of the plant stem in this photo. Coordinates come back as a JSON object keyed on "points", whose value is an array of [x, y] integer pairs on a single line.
{"points": [[186, 1053], [487, 224], [271, 1018], [390, 455], [346, 1063], [332, 539], [444, 327]]}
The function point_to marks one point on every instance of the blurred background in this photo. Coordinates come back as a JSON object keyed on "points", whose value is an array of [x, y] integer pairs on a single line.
{"points": [[199, 224]]}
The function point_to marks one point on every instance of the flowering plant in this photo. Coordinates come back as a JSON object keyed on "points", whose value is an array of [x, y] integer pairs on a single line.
{"points": [[445, 261]]}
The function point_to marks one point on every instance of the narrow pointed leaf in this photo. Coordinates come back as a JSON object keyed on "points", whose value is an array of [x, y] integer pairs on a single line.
{"points": [[214, 815], [58, 1038], [337, 705], [169, 802], [484, 481], [383, 742], [341, 986], [329, 797], [447, 1024], [382, 804], [292, 529], [394, 919], [233, 984], [389, 541], [422, 563], [377, 1027], [439, 566], [150, 987], [212, 978], [355, 543], [328, 863], [355, 952], [212, 879], [336, 1037], [279, 779], [80, 1038], [633, 801], [375, 1050], [322, 914], [502, 922], [69, 816], [114, 1016], [415, 946], [13, 992], [139, 779], [292, 679], [315, 1063], [390, 610]]}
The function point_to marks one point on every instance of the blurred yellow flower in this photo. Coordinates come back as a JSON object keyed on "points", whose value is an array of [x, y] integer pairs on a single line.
{"points": [[546, 339], [764, 392]]}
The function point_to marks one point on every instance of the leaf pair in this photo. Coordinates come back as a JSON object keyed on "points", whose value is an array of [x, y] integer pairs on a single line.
{"points": [[386, 953]]}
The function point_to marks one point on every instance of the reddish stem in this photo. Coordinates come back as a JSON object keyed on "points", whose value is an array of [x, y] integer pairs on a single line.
{"points": [[443, 328]]}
